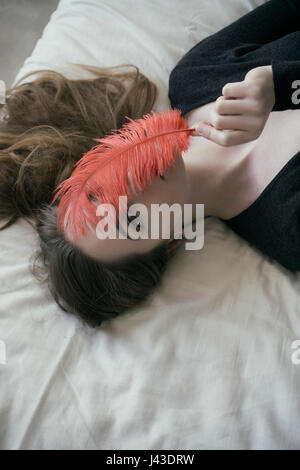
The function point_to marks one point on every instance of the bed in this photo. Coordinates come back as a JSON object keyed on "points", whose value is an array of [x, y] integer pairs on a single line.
{"points": [[210, 360]]}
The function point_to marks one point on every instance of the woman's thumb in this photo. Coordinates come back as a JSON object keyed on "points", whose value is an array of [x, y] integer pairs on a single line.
{"points": [[201, 129]]}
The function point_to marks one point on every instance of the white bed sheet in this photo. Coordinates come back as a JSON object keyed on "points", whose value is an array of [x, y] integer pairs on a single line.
{"points": [[207, 362]]}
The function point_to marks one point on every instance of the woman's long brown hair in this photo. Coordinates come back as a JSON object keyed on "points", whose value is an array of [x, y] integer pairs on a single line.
{"points": [[48, 124]]}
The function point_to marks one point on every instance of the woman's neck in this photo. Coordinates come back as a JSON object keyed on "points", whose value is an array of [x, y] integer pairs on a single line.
{"points": [[215, 175]]}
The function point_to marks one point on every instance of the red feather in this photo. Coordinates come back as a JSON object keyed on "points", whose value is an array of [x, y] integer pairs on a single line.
{"points": [[143, 147]]}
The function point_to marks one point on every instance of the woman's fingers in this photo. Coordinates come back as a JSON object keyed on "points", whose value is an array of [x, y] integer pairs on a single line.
{"points": [[231, 122], [231, 106], [235, 90], [240, 114], [234, 118], [221, 137]]}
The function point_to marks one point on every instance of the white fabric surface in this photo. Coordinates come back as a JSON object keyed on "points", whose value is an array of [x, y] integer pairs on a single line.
{"points": [[206, 363]]}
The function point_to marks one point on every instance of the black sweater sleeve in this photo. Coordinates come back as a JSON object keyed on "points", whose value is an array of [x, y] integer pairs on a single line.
{"points": [[267, 35]]}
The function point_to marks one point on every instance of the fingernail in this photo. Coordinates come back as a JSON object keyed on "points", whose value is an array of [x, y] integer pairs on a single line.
{"points": [[200, 129]]}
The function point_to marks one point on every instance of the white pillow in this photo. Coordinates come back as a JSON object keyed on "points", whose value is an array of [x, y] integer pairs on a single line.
{"points": [[152, 34]]}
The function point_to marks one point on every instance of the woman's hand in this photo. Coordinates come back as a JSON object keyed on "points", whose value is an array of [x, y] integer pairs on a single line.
{"points": [[240, 114]]}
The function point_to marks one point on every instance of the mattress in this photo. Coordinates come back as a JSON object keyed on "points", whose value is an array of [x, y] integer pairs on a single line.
{"points": [[210, 360]]}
